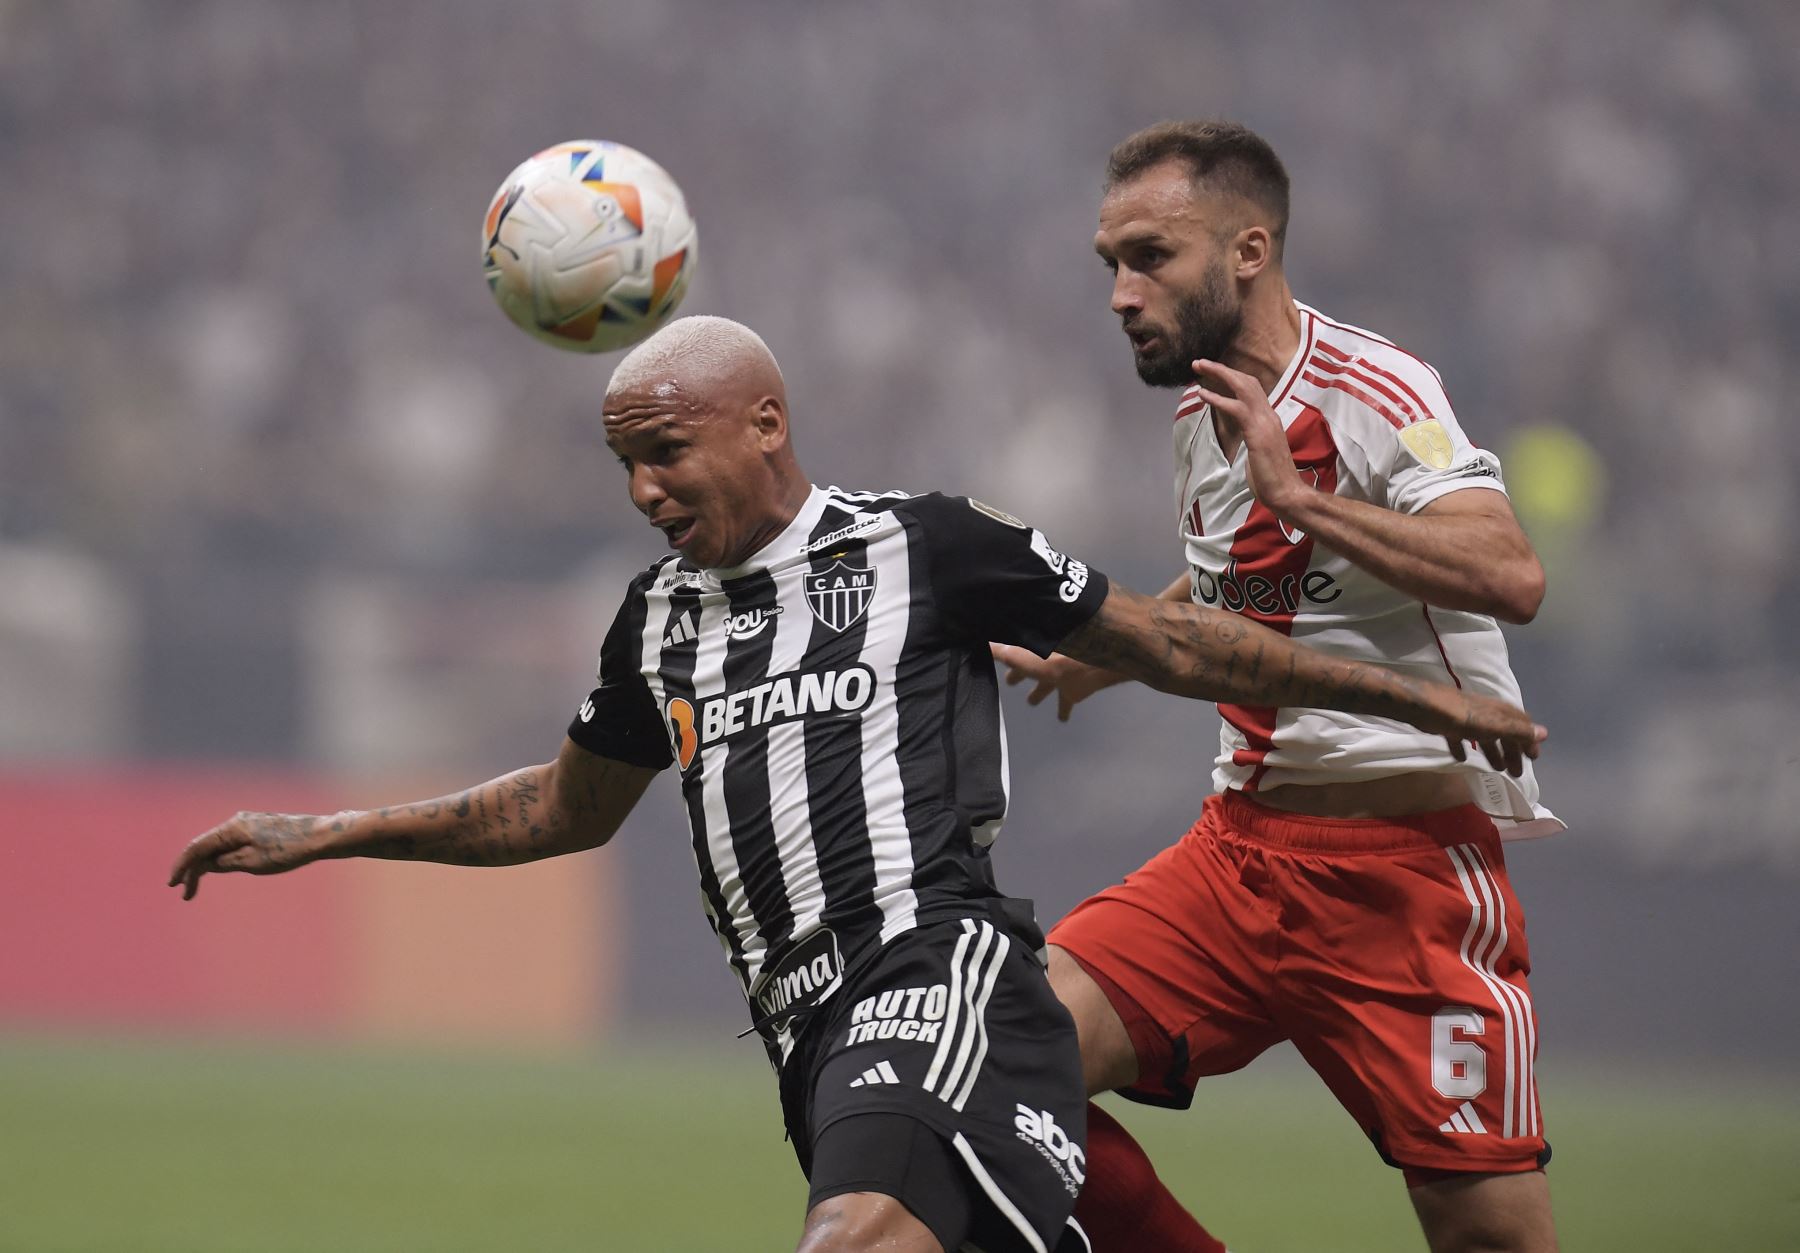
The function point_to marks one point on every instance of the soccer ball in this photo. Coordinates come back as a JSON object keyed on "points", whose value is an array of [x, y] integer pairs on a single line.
{"points": [[588, 246]]}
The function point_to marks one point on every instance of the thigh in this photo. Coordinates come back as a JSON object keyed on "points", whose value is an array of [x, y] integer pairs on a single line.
{"points": [[1182, 951], [885, 1177], [1407, 990], [956, 1030], [1464, 1212]]}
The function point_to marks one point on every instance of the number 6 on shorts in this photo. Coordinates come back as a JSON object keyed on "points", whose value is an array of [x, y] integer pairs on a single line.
{"points": [[1458, 1066]]}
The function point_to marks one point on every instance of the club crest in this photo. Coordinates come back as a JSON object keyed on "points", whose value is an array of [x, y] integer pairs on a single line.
{"points": [[839, 594]]}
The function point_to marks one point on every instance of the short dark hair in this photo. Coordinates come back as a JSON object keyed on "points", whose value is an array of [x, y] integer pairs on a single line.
{"points": [[1225, 157]]}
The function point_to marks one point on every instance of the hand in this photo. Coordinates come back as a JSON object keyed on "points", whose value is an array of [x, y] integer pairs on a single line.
{"points": [[1505, 735], [248, 843], [1242, 409], [1072, 681]]}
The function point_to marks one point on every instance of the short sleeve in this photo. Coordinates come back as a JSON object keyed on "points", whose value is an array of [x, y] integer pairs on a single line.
{"points": [[619, 719], [996, 578], [1415, 446]]}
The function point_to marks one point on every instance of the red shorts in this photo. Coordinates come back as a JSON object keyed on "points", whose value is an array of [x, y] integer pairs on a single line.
{"points": [[1391, 952]]}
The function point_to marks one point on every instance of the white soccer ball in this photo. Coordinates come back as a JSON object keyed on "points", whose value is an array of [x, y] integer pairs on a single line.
{"points": [[588, 246]]}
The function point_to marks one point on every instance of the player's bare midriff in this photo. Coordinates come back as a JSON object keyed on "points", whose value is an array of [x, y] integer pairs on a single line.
{"points": [[1417, 792]]}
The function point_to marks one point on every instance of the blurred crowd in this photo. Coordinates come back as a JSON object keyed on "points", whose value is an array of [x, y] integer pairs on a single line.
{"points": [[277, 481]]}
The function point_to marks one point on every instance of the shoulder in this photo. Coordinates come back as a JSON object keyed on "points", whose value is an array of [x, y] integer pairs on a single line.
{"points": [[862, 502], [958, 514], [1358, 378]]}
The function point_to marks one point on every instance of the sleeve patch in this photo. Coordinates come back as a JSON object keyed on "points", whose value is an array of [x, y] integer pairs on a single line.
{"points": [[998, 515], [1429, 443]]}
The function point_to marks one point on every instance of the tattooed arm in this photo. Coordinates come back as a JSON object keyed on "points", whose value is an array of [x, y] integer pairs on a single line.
{"points": [[573, 803], [1071, 681], [1210, 654]]}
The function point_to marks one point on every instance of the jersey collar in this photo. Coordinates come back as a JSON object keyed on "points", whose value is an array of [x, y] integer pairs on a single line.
{"points": [[1308, 336]]}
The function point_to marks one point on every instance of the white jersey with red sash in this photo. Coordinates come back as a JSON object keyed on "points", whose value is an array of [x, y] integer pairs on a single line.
{"points": [[1368, 421]]}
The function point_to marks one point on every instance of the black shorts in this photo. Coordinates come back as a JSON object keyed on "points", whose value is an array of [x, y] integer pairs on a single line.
{"points": [[953, 1026]]}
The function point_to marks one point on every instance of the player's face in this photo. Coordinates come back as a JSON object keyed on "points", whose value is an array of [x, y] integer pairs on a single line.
{"points": [[1165, 245], [697, 471]]}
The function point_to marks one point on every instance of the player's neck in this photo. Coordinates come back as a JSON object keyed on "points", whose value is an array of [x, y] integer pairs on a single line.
{"points": [[1271, 333]]}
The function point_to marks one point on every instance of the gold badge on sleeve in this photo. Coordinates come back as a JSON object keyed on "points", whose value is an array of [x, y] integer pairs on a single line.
{"points": [[1429, 442]]}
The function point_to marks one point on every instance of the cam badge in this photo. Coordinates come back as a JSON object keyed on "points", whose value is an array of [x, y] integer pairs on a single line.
{"points": [[839, 594]]}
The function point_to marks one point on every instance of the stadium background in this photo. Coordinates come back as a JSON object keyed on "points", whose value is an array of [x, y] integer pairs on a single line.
{"points": [[290, 517]]}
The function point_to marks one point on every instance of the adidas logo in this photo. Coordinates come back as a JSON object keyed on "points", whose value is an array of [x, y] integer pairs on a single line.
{"points": [[880, 1072], [1464, 1121], [681, 632]]}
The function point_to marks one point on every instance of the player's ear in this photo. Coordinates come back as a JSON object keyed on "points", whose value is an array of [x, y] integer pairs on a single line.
{"points": [[1252, 250], [770, 417]]}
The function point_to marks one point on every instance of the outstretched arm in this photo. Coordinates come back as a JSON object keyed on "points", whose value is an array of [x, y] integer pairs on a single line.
{"points": [[1210, 654], [1072, 681], [575, 802]]}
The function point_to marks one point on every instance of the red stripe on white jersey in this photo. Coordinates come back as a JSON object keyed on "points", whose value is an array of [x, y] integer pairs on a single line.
{"points": [[1360, 373], [1369, 365], [1262, 549], [1440, 643], [1350, 389]]}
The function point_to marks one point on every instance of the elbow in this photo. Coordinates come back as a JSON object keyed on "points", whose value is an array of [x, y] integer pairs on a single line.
{"points": [[1520, 597]]}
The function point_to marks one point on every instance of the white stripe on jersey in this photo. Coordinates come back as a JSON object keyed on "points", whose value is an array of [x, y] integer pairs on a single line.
{"points": [[786, 759], [709, 671], [884, 796]]}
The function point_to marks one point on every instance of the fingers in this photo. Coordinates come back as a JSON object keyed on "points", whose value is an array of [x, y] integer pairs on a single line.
{"points": [[1233, 382], [206, 854], [1044, 687], [1008, 656], [1022, 664], [1456, 747], [188, 865]]}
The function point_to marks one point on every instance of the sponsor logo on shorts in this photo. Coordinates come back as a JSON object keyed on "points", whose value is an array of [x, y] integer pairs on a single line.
{"points": [[900, 1014], [1040, 1129], [1465, 1121], [882, 1072]]}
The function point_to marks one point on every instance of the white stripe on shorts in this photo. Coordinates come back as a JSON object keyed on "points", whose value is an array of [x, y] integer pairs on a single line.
{"points": [[1488, 915], [1521, 999]]}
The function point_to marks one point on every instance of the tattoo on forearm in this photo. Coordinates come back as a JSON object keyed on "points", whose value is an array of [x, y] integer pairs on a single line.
{"points": [[1173, 646]]}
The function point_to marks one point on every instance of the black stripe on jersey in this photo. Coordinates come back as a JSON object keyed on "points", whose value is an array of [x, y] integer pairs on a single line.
{"points": [[675, 666], [929, 703], [949, 741], [836, 804], [746, 757]]}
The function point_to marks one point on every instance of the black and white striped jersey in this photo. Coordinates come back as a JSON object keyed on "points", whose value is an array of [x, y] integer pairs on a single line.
{"points": [[833, 709]]}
